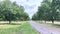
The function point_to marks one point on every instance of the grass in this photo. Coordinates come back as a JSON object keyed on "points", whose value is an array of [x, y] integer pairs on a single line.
{"points": [[24, 28], [56, 24]]}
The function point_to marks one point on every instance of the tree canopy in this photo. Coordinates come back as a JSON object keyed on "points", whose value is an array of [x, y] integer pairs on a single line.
{"points": [[10, 11], [49, 10]]}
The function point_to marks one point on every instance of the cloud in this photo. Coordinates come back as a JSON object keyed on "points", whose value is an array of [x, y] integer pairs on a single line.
{"points": [[30, 6]]}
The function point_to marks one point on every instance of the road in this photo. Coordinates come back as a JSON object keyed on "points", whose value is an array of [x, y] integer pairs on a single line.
{"points": [[43, 29]]}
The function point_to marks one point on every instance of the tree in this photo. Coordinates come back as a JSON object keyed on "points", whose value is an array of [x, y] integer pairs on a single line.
{"points": [[11, 11], [49, 10], [35, 17], [54, 7]]}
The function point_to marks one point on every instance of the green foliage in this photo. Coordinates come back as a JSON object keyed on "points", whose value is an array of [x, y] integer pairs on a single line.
{"points": [[35, 17], [49, 10], [11, 11]]}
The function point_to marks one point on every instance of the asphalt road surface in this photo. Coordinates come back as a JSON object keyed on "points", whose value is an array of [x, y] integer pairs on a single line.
{"points": [[43, 29]]}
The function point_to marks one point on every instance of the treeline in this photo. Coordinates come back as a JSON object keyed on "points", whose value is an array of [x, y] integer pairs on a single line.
{"points": [[48, 11], [10, 11]]}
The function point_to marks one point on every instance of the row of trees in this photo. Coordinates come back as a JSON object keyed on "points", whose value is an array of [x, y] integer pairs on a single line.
{"points": [[10, 11], [48, 11]]}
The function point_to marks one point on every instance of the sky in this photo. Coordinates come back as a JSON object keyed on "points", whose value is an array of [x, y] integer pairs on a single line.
{"points": [[30, 6]]}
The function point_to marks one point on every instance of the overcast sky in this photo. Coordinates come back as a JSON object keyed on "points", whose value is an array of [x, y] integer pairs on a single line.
{"points": [[30, 6]]}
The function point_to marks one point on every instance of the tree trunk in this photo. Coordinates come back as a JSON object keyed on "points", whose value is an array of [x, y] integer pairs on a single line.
{"points": [[52, 22], [9, 22], [45, 21]]}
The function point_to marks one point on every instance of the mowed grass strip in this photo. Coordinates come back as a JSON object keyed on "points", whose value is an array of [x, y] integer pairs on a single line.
{"points": [[54, 25], [24, 28], [49, 23]]}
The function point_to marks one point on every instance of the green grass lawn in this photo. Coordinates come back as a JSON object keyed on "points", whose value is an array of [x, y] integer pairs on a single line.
{"points": [[55, 25], [24, 28]]}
